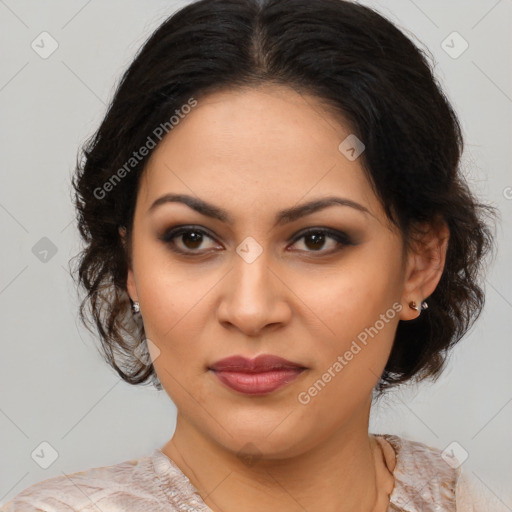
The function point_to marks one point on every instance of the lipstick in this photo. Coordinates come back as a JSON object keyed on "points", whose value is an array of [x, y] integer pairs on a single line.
{"points": [[259, 376]]}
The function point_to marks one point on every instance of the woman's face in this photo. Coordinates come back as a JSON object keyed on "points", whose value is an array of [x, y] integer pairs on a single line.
{"points": [[253, 282]]}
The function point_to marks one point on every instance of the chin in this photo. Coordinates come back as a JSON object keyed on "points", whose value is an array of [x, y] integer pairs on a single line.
{"points": [[266, 438]]}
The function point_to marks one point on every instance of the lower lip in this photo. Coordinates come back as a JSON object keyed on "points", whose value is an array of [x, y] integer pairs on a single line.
{"points": [[258, 383]]}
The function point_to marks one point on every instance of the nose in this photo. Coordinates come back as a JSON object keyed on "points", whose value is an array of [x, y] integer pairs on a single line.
{"points": [[254, 297]]}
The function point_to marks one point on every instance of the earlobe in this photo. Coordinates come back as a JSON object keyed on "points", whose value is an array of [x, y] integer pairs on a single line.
{"points": [[424, 268]]}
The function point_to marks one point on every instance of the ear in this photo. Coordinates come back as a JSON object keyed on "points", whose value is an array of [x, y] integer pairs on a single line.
{"points": [[130, 278], [424, 265]]}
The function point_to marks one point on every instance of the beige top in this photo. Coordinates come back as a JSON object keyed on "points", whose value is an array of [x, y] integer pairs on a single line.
{"points": [[424, 482]]}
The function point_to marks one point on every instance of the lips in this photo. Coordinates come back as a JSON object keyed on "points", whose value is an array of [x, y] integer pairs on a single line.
{"points": [[261, 375]]}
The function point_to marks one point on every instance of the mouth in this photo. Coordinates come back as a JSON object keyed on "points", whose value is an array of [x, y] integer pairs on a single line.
{"points": [[259, 376]]}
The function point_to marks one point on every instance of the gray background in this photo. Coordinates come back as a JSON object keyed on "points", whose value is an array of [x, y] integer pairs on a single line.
{"points": [[54, 387]]}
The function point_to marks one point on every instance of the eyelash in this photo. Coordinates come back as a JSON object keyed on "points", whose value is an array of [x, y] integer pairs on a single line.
{"points": [[342, 238]]}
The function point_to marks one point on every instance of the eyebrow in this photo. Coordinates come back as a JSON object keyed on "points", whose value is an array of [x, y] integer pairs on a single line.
{"points": [[282, 217]]}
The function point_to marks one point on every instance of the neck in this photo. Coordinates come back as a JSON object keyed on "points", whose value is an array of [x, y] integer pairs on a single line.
{"points": [[344, 472]]}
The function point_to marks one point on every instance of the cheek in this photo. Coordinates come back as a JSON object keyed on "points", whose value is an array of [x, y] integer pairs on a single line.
{"points": [[173, 322], [170, 305], [354, 296], [357, 307], [168, 289], [351, 356]]}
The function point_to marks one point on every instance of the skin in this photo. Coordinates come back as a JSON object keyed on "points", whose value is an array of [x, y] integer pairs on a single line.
{"points": [[254, 152]]}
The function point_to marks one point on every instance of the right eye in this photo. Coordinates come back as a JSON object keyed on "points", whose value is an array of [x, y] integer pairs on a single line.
{"points": [[189, 238]]}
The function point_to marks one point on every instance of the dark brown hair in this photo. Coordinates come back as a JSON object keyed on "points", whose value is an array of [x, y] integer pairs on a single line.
{"points": [[352, 59]]}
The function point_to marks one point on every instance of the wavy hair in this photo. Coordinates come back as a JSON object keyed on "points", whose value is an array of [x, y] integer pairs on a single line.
{"points": [[365, 70]]}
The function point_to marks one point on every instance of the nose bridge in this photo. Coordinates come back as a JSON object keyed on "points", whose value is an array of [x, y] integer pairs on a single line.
{"points": [[251, 271], [251, 298]]}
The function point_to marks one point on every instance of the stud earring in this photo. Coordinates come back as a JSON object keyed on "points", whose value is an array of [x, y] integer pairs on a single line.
{"points": [[135, 307], [414, 306]]}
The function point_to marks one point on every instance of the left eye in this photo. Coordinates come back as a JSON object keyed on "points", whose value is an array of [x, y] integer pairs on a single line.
{"points": [[314, 240]]}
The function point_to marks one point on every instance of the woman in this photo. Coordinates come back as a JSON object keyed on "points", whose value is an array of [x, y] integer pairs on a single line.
{"points": [[275, 193]]}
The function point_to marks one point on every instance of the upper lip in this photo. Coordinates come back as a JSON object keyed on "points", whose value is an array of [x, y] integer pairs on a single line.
{"points": [[262, 363]]}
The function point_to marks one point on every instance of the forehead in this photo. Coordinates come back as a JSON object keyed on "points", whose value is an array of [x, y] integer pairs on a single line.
{"points": [[268, 145]]}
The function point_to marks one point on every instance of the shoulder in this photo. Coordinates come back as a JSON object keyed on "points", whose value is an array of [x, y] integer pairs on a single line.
{"points": [[101, 488], [430, 479], [424, 480]]}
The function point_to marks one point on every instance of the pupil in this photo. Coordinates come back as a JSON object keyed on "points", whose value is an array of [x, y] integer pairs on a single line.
{"points": [[193, 237], [318, 240]]}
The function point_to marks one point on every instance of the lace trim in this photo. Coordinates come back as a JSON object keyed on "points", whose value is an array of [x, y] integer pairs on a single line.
{"points": [[423, 480]]}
